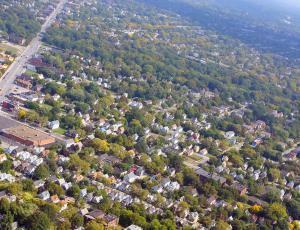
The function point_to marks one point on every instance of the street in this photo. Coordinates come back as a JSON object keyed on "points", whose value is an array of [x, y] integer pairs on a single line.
{"points": [[17, 67]]}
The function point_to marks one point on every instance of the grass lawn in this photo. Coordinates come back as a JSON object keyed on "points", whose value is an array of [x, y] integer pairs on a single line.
{"points": [[60, 131], [195, 157], [30, 72], [7, 47], [191, 160], [47, 107]]}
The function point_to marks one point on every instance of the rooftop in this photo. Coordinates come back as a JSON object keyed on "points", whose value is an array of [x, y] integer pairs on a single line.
{"points": [[27, 133]]}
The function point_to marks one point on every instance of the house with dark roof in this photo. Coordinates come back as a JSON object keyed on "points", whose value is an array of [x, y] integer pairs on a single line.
{"points": [[111, 221], [95, 214], [206, 175]]}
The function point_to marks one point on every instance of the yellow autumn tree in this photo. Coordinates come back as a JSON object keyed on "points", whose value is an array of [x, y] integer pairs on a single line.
{"points": [[101, 145], [22, 114], [256, 209]]}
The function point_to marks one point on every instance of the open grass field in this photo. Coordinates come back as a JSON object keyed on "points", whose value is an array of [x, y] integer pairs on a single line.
{"points": [[14, 49], [59, 131]]}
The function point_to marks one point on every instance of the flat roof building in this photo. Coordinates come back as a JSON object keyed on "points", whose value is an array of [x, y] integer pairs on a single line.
{"points": [[28, 136]]}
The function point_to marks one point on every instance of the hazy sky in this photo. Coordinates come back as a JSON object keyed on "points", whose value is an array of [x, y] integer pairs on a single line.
{"points": [[291, 2], [284, 3], [292, 6]]}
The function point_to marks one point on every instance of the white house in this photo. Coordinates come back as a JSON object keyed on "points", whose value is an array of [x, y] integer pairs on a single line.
{"points": [[173, 186], [157, 188], [133, 227], [44, 195], [56, 97], [203, 152], [23, 155], [229, 134], [131, 177], [53, 124], [7, 177]]}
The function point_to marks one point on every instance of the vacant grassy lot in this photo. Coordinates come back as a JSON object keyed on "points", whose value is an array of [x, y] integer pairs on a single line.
{"points": [[14, 49], [60, 131]]}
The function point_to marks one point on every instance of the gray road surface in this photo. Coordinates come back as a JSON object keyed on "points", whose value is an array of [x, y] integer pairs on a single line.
{"points": [[17, 67]]}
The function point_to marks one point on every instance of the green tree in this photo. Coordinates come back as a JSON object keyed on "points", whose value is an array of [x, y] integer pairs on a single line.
{"points": [[276, 212], [4, 205], [41, 172], [15, 188], [6, 166], [27, 185], [77, 220], [6, 221], [274, 174], [78, 164], [101, 145], [54, 188], [64, 225], [38, 221], [155, 225], [294, 208], [93, 225], [222, 225], [74, 191], [50, 209], [273, 195]]}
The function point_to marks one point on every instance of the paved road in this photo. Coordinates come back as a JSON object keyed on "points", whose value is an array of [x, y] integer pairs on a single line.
{"points": [[15, 69]]}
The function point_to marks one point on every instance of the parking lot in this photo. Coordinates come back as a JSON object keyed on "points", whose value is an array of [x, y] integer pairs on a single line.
{"points": [[7, 123]]}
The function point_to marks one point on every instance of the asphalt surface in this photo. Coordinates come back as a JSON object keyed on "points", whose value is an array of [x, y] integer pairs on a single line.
{"points": [[17, 67], [6, 123]]}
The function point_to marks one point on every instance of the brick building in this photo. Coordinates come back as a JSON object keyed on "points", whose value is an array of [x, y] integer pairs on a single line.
{"points": [[27, 136]]}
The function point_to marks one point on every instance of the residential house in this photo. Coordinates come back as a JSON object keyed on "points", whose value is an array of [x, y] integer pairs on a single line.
{"points": [[38, 184], [291, 155], [173, 186], [157, 189], [3, 158], [109, 159], [257, 142], [83, 192], [165, 182], [96, 214], [193, 217], [206, 175], [11, 150], [111, 221], [211, 201], [229, 134], [44, 195], [290, 184], [133, 227], [24, 81], [242, 190], [7, 177], [172, 171], [203, 152], [131, 177], [2, 194], [97, 199], [66, 185], [54, 199], [53, 124], [84, 211]]}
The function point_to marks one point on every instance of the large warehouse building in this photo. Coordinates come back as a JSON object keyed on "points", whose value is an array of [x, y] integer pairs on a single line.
{"points": [[27, 136]]}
